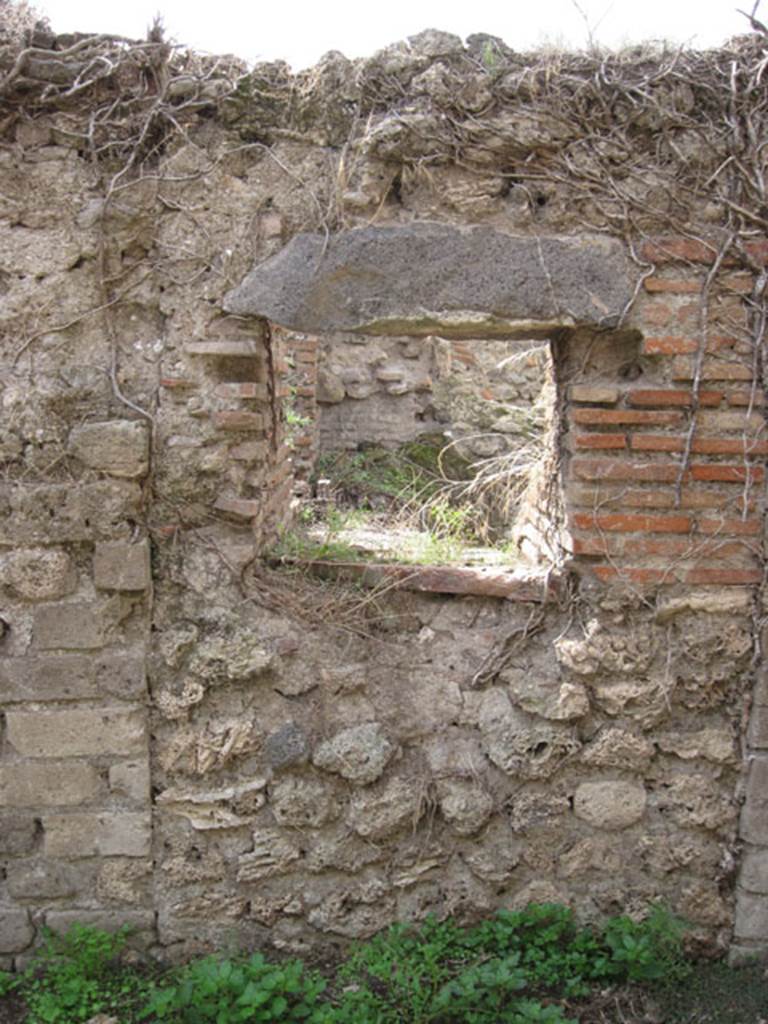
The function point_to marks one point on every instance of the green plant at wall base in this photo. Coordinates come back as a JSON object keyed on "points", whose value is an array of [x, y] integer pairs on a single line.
{"points": [[75, 976], [216, 991]]}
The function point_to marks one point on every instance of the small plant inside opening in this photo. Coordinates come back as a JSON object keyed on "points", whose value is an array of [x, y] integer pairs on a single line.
{"points": [[424, 449]]}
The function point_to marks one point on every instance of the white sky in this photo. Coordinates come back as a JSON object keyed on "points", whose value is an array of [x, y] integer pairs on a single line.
{"points": [[300, 31]]}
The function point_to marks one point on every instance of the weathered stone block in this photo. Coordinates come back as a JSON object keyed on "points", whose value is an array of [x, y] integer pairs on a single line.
{"points": [[31, 784], [465, 805], [754, 813], [72, 677], [757, 734], [754, 871], [124, 881], [41, 574], [77, 733], [97, 835], [118, 566], [72, 626], [55, 513], [415, 276], [273, 854], [130, 779], [17, 834], [303, 802], [751, 915], [16, 931], [117, 447], [610, 805], [360, 754], [47, 880], [519, 743], [380, 812], [287, 746]]}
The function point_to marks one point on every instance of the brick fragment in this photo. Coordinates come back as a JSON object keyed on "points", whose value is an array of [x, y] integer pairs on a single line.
{"points": [[723, 577], [669, 284], [653, 546], [672, 396], [238, 419], [242, 389], [625, 523], [727, 474], [668, 345], [672, 249], [729, 526], [700, 445], [606, 495], [621, 417], [624, 469]]}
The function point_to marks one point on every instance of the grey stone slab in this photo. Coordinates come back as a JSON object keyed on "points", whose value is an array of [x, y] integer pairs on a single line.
{"points": [[16, 931], [754, 813], [418, 277], [72, 677]]}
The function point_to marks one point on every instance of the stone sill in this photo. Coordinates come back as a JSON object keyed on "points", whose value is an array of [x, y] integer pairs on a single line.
{"points": [[435, 579]]}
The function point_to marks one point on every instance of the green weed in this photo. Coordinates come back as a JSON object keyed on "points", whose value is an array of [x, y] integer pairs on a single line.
{"points": [[75, 976], [216, 991], [531, 966]]}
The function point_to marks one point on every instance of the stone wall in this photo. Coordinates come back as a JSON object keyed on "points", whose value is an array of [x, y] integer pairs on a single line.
{"points": [[213, 750]]}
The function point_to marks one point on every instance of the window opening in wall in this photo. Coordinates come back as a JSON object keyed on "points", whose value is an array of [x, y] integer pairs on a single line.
{"points": [[414, 450]]}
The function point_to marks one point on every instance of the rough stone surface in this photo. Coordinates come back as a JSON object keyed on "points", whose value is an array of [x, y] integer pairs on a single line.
{"points": [[382, 811], [97, 835], [77, 732], [40, 574], [610, 805], [49, 784], [519, 743], [118, 566], [754, 813], [425, 274], [754, 871], [617, 748], [300, 802], [287, 746], [464, 805], [17, 834], [16, 931], [711, 744], [272, 854], [72, 626], [751, 916], [130, 779], [360, 753], [117, 447], [206, 809], [49, 880], [72, 677]]}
